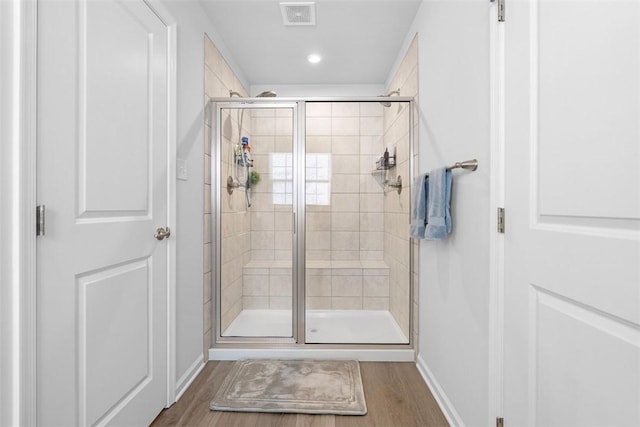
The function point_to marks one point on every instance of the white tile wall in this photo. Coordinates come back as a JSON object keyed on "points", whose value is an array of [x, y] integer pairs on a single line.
{"points": [[346, 286], [338, 284], [318, 126], [346, 303], [318, 286], [345, 145], [396, 207], [346, 126], [375, 303], [219, 79], [345, 203], [318, 144], [319, 109], [345, 109]]}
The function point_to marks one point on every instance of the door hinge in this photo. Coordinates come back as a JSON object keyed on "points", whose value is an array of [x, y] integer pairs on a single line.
{"points": [[500, 220], [40, 220], [499, 422], [500, 9]]}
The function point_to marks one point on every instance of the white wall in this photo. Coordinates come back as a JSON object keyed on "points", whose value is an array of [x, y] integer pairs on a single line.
{"points": [[304, 91], [454, 106], [192, 24]]}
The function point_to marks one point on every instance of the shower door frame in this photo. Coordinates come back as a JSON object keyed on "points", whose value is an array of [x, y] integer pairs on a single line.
{"points": [[216, 229], [298, 339]]}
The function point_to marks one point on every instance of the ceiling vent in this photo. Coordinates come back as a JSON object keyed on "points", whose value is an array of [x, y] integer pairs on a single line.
{"points": [[298, 13]]}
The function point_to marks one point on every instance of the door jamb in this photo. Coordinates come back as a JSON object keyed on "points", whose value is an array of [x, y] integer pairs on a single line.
{"points": [[18, 195], [496, 200], [172, 45]]}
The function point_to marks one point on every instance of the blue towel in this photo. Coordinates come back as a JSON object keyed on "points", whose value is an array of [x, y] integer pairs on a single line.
{"points": [[419, 206], [438, 205]]}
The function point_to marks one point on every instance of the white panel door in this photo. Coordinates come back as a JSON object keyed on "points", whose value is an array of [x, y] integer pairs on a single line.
{"points": [[572, 284], [102, 174]]}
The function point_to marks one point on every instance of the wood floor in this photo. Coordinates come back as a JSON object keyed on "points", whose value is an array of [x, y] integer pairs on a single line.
{"points": [[395, 392]]}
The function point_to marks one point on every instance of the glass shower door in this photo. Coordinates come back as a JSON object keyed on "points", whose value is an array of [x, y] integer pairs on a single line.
{"points": [[255, 203], [357, 253]]}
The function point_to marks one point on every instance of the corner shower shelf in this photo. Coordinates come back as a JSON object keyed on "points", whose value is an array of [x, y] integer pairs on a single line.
{"points": [[381, 165], [380, 175]]}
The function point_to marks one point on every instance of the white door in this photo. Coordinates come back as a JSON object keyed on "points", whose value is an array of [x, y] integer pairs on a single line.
{"points": [[102, 174], [572, 283]]}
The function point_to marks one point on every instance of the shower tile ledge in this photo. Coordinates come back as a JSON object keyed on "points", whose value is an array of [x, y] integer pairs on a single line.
{"points": [[336, 264]]}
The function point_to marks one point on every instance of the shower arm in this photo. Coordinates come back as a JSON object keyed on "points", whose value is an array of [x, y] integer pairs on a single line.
{"points": [[388, 95]]}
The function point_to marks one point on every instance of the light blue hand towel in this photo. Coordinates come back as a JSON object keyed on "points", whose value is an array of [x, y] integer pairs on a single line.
{"points": [[419, 206], [438, 205]]}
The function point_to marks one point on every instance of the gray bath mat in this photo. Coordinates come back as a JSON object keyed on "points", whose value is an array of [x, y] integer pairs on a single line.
{"points": [[293, 386]]}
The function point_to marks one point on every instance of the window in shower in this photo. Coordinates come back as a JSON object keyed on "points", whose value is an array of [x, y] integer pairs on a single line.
{"points": [[318, 178], [318, 184], [282, 178]]}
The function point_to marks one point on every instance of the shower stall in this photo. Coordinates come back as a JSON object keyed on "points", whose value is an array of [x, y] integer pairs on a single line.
{"points": [[311, 203]]}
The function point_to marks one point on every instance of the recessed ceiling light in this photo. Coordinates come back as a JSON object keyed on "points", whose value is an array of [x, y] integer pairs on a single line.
{"points": [[314, 58]]}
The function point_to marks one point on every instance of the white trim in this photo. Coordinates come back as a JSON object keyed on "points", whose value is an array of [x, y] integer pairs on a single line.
{"points": [[495, 366], [188, 377], [29, 201], [172, 215], [364, 355], [172, 46], [9, 323], [450, 413], [17, 213]]}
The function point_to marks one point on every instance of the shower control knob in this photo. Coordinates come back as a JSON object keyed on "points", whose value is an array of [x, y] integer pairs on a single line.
{"points": [[161, 233]]}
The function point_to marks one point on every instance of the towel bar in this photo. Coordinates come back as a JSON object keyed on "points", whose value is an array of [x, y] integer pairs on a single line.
{"points": [[467, 164], [470, 165]]}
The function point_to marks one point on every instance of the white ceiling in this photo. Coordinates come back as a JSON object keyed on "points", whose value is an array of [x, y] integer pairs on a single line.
{"points": [[359, 40]]}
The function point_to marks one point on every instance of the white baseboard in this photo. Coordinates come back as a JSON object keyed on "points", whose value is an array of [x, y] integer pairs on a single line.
{"points": [[438, 393], [187, 378]]}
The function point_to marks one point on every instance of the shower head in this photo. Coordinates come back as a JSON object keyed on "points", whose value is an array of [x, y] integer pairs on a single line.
{"points": [[387, 103], [267, 94]]}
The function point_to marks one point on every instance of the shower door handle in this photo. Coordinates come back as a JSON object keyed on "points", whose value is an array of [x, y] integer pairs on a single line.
{"points": [[295, 223]]}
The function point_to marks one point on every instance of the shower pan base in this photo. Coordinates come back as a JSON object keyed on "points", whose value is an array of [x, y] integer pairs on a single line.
{"points": [[322, 326], [314, 352], [328, 335]]}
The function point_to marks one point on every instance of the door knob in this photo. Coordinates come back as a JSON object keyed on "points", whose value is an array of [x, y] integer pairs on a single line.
{"points": [[161, 233]]}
